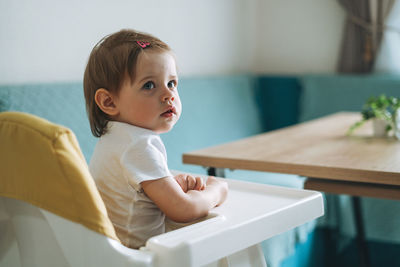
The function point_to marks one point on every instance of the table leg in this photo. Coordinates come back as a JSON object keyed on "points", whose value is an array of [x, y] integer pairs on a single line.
{"points": [[218, 172], [361, 240], [331, 234], [337, 188]]}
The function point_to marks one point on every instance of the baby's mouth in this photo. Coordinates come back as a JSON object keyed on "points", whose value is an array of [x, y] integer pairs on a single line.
{"points": [[169, 112]]}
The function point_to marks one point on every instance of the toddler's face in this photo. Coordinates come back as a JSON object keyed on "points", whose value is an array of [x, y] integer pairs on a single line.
{"points": [[152, 100]]}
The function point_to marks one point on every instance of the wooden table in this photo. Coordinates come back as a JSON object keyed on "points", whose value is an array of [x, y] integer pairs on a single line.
{"points": [[357, 165]]}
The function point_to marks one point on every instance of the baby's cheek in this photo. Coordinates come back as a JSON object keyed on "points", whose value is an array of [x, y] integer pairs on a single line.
{"points": [[179, 107]]}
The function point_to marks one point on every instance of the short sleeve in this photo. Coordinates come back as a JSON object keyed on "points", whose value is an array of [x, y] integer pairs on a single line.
{"points": [[144, 160]]}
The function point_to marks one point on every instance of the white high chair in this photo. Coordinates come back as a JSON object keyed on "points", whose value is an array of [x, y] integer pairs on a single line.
{"points": [[51, 213]]}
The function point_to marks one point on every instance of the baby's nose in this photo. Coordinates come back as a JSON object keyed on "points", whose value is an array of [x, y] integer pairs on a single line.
{"points": [[168, 98]]}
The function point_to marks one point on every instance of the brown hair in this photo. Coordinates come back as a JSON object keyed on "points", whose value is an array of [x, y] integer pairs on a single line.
{"points": [[112, 60]]}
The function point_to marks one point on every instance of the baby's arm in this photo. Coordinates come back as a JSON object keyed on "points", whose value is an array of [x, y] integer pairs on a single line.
{"points": [[185, 207]]}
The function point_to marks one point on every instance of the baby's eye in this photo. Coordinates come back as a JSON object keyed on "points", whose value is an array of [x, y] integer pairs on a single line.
{"points": [[148, 86], [172, 84]]}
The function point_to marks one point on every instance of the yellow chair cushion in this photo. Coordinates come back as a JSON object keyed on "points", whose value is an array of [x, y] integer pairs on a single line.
{"points": [[41, 163]]}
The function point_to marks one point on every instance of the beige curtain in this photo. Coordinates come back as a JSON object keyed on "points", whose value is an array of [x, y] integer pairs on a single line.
{"points": [[388, 55], [362, 34]]}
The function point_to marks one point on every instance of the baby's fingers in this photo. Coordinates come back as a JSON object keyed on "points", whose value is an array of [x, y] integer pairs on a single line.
{"points": [[200, 185], [181, 180], [191, 182]]}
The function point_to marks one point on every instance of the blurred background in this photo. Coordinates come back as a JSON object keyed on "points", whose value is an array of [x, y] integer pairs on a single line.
{"points": [[246, 67], [47, 41]]}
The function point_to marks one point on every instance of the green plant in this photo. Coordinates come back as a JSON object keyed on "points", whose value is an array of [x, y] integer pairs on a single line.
{"points": [[381, 107]]}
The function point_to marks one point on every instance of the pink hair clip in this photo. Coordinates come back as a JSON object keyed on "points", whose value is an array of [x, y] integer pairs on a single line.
{"points": [[143, 44]]}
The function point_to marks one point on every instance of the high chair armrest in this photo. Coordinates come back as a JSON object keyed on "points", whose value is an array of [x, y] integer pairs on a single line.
{"points": [[252, 213]]}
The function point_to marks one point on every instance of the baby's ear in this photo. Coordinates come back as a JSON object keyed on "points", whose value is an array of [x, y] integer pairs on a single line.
{"points": [[105, 101]]}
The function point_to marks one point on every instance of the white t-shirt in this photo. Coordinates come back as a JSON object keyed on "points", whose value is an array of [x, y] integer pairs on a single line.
{"points": [[123, 158]]}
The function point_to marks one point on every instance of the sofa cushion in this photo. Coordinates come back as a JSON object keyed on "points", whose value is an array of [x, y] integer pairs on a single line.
{"points": [[215, 110], [326, 94]]}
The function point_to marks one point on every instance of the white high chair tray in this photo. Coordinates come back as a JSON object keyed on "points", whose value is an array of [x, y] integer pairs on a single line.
{"points": [[252, 213]]}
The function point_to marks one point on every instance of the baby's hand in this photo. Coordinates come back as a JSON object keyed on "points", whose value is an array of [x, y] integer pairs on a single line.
{"points": [[222, 187], [188, 182]]}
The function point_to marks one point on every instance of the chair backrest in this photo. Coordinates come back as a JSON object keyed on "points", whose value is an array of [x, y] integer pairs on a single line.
{"points": [[49, 196]]}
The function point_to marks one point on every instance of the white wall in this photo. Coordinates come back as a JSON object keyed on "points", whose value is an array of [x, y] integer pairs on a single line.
{"points": [[300, 36], [50, 40]]}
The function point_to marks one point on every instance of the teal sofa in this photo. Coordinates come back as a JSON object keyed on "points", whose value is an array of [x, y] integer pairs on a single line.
{"points": [[222, 109]]}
